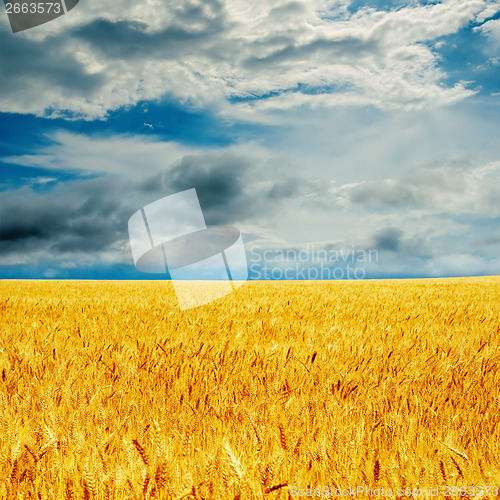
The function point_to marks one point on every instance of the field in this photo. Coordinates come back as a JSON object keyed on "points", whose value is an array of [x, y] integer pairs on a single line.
{"points": [[108, 391]]}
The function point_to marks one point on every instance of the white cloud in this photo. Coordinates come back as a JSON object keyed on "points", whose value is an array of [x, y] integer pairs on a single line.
{"points": [[127, 156], [132, 157], [492, 7], [492, 30], [209, 52], [455, 264]]}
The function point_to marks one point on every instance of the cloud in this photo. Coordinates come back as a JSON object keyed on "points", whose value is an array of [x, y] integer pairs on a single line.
{"points": [[234, 56], [412, 218], [458, 190], [404, 246], [492, 30], [457, 264], [388, 239], [121, 155], [87, 218], [218, 181], [80, 217], [233, 188]]}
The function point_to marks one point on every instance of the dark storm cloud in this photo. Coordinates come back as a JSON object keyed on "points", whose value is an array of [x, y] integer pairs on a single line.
{"points": [[394, 239], [92, 215], [191, 29], [24, 60], [32, 218], [388, 238], [219, 181], [127, 39], [79, 217], [230, 187]]}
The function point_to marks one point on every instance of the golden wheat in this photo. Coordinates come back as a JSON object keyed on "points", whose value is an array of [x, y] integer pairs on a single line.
{"points": [[108, 391]]}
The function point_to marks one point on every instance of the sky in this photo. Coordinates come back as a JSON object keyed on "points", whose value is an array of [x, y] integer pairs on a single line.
{"points": [[344, 139]]}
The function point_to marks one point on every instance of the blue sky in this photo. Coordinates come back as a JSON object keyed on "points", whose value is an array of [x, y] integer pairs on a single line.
{"points": [[321, 127]]}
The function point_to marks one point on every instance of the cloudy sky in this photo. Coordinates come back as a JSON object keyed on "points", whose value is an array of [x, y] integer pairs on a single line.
{"points": [[362, 134]]}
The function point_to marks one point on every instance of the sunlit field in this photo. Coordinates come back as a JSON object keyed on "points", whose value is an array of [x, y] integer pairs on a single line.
{"points": [[109, 391]]}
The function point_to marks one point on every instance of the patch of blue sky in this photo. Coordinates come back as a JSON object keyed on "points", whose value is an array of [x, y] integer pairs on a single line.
{"points": [[467, 56], [40, 180], [379, 5], [23, 135], [250, 96], [74, 270], [308, 89], [303, 88], [163, 120], [386, 5]]}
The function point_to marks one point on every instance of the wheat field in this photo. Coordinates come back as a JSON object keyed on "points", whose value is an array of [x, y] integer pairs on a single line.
{"points": [[109, 391]]}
